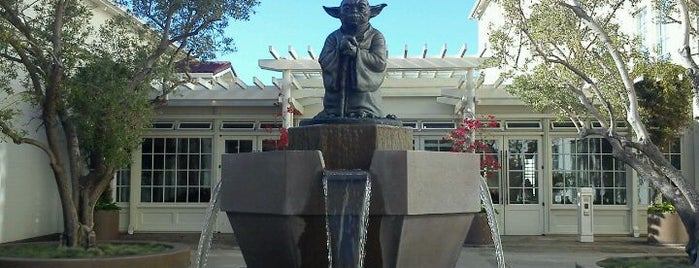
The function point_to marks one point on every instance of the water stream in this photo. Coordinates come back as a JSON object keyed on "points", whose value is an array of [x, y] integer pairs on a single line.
{"points": [[347, 195], [207, 232], [492, 222]]}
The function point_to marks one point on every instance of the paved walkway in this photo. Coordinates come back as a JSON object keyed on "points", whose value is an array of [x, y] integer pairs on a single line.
{"points": [[520, 252]]}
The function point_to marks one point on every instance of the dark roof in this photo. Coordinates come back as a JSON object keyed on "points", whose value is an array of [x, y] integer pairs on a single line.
{"points": [[210, 67]]}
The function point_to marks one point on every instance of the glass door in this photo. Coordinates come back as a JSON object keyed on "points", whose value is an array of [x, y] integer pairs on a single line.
{"points": [[523, 204]]}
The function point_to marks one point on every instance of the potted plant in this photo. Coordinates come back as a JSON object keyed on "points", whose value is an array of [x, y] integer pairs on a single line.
{"points": [[664, 225], [106, 217]]}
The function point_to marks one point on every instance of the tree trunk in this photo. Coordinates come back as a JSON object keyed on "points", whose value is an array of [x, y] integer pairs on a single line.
{"points": [[652, 166]]}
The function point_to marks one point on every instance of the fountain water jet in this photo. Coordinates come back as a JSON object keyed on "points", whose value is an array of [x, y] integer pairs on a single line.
{"points": [[207, 231], [347, 195], [492, 222]]}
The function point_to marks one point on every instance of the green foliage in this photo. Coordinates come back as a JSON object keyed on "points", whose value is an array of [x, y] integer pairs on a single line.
{"points": [[204, 20], [557, 60], [664, 95], [664, 207], [110, 118], [95, 80], [541, 90], [105, 202]]}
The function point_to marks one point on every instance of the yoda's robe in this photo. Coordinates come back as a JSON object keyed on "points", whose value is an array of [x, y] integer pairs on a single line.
{"points": [[352, 83]]}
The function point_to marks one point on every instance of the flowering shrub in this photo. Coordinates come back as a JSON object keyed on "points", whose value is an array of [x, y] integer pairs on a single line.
{"points": [[283, 138], [463, 140], [283, 142]]}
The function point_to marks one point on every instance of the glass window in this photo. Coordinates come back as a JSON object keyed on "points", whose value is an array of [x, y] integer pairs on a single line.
{"points": [[586, 163], [123, 182], [491, 156], [522, 175], [176, 170], [662, 18], [437, 145], [641, 29], [672, 152]]}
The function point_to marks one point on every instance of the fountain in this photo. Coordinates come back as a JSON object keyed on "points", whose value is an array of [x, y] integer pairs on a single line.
{"points": [[346, 214], [307, 206], [207, 232], [492, 222]]}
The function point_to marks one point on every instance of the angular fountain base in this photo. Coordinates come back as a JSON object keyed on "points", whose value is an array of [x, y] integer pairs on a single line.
{"points": [[424, 206], [416, 240], [421, 208], [273, 240]]}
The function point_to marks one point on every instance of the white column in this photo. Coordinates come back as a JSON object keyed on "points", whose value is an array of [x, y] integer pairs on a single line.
{"points": [[695, 141], [134, 190], [287, 118], [470, 109], [635, 191]]}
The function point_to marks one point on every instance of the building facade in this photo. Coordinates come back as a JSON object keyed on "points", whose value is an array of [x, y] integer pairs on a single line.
{"points": [[620, 198], [169, 183]]}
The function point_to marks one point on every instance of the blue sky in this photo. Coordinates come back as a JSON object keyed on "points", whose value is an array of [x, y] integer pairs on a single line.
{"points": [[301, 23]]}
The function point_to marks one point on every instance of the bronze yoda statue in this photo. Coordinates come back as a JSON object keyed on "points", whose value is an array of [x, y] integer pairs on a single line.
{"points": [[353, 64]]}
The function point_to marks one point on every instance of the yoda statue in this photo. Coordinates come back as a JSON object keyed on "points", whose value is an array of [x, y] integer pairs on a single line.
{"points": [[353, 64]]}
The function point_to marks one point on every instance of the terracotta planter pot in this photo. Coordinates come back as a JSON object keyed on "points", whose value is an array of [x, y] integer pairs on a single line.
{"points": [[666, 229], [107, 224], [177, 257], [479, 233]]}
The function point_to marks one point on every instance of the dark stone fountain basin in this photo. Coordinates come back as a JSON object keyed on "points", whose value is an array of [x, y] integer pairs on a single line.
{"points": [[422, 203]]}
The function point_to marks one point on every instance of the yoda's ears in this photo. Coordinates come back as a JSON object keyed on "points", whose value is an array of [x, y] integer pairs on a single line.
{"points": [[376, 10], [335, 11]]}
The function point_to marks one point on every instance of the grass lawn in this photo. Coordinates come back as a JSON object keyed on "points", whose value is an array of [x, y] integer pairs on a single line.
{"points": [[646, 262], [51, 250]]}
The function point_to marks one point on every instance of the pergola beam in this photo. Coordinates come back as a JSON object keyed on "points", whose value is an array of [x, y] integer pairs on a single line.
{"points": [[462, 51], [292, 52], [311, 53], [258, 83], [393, 64]]}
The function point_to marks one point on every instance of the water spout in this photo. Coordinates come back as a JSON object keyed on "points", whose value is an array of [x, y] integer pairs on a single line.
{"points": [[207, 231], [347, 195], [492, 222]]}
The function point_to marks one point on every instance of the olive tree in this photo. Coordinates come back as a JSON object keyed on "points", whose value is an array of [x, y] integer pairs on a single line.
{"points": [[575, 59], [89, 85]]}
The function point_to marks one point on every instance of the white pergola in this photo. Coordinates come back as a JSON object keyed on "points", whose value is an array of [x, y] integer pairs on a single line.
{"points": [[452, 76], [448, 78]]}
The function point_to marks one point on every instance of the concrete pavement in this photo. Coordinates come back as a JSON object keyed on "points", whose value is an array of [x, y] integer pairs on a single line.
{"points": [[520, 251]]}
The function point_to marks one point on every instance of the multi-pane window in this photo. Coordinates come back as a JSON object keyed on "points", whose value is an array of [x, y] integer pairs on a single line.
{"points": [[491, 155], [641, 29], [587, 163], [176, 170], [522, 175], [662, 19], [123, 183], [235, 146], [672, 152], [437, 145]]}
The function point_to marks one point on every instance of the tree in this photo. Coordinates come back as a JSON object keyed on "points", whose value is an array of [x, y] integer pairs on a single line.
{"points": [[573, 58], [91, 85]]}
